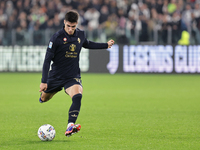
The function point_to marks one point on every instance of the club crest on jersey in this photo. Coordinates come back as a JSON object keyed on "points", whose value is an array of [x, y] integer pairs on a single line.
{"points": [[50, 44], [79, 40], [72, 47]]}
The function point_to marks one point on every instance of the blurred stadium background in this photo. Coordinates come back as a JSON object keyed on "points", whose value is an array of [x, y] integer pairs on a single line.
{"points": [[152, 36]]}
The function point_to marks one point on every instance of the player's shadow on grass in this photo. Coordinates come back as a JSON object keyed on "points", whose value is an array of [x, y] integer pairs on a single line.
{"points": [[34, 142], [54, 141]]}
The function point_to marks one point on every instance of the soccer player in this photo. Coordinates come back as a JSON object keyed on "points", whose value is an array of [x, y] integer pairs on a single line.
{"points": [[64, 49]]}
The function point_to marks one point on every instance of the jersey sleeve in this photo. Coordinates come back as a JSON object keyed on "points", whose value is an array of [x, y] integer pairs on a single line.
{"points": [[47, 60], [94, 45]]}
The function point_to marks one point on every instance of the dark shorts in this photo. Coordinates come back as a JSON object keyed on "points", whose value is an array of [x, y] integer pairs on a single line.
{"points": [[55, 85]]}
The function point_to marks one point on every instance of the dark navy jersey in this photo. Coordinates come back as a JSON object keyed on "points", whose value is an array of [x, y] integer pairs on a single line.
{"points": [[64, 50]]}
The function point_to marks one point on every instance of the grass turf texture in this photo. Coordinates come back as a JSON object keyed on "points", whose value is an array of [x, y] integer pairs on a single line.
{"points": [[132, 111]]}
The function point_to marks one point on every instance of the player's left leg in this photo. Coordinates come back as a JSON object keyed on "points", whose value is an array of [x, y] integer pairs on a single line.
{"points": [[46, 96], [53, 86], [75, 92]]}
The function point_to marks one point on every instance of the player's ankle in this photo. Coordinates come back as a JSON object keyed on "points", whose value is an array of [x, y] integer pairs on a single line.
{"points": [[70, 124], [41, 101]]}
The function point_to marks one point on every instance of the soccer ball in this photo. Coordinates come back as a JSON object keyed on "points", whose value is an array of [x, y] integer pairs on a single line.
{"points": [[46, 132]]}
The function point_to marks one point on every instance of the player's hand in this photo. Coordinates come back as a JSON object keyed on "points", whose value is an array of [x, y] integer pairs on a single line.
{"points": [[43, 87], [110, 43]]}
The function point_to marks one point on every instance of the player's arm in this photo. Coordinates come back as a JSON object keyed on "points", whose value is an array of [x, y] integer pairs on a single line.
{"points": [[96, 45], [45, 70], [47, 61]]}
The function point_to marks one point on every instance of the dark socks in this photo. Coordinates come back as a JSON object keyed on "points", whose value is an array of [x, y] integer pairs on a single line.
{"points": [[75, 108]]}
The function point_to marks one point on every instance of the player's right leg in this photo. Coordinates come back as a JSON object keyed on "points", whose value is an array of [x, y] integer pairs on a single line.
{"points": [[74, 89]]}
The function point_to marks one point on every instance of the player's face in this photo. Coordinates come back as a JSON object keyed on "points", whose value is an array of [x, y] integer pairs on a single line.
{"points": [[70, 27]]}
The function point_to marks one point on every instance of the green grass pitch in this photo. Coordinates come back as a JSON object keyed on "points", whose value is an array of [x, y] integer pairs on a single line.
{"points": [[121, 111]]}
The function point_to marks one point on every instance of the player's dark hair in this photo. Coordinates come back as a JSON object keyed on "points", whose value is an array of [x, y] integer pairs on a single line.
{"points": [[72, 16]]}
